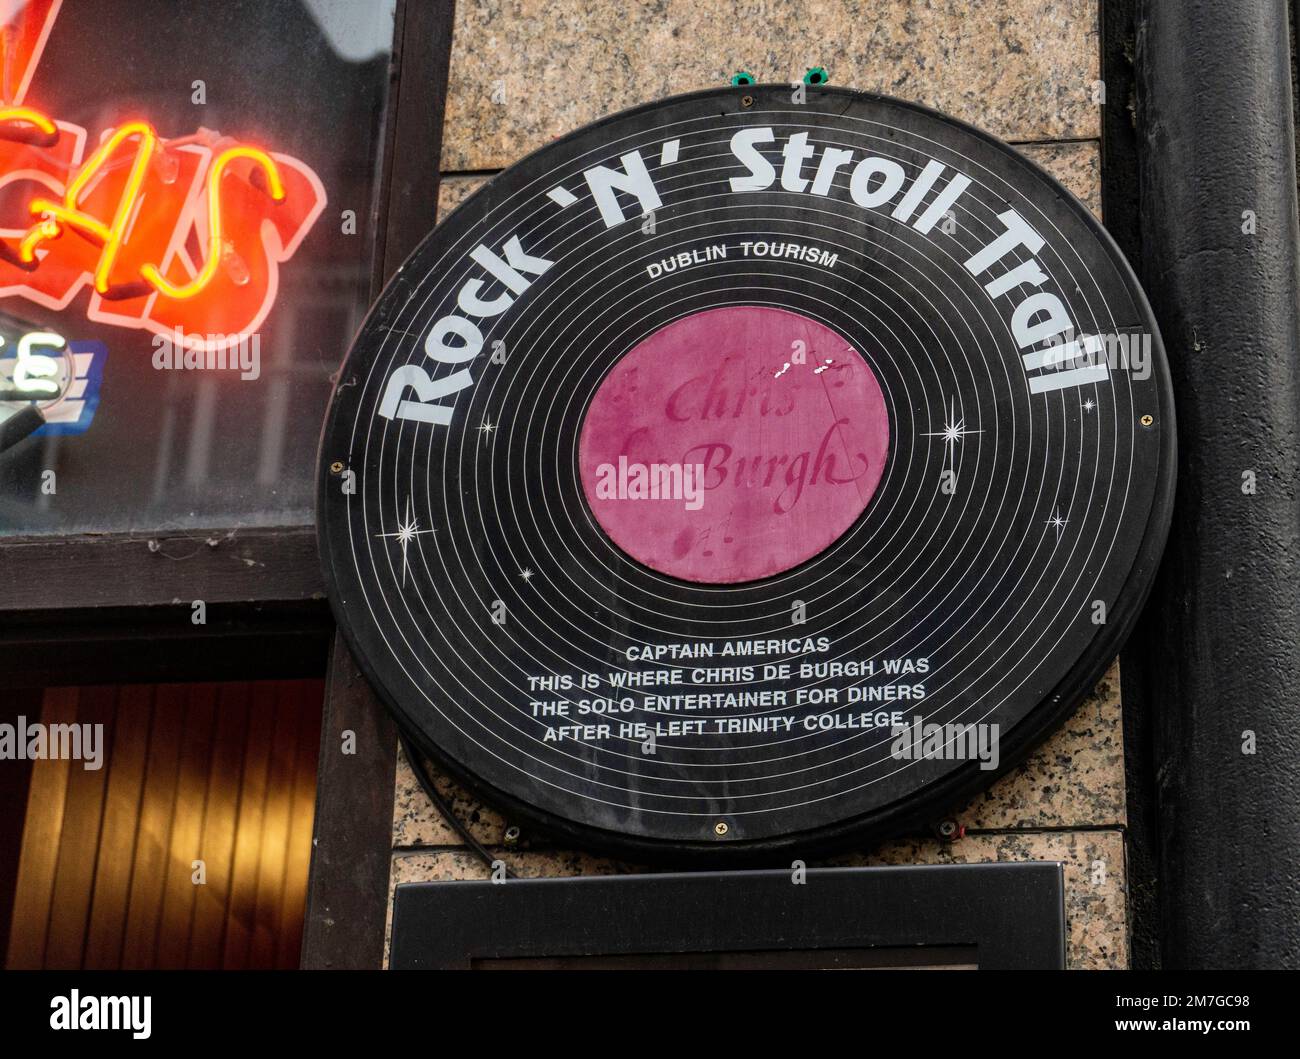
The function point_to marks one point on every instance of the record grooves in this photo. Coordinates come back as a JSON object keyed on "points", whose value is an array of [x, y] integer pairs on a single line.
{"points": [[704, 462]]}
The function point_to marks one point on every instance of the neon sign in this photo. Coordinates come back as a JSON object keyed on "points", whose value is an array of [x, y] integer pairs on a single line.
{"points": [[177, 237]]}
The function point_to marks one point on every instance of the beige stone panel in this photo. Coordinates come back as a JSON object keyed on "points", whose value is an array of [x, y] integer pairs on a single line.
{"points": [[1076, 165], [1022, 69], [1095, 892], [453, 190], [417, 823], [1075, 779]]}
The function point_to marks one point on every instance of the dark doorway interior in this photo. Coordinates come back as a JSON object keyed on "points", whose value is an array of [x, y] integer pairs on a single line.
{"points": [[106, 874]]}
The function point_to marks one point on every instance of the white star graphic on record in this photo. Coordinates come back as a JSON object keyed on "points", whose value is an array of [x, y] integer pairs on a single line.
{"points": [[1057, 523], [407, 530], [954, 431]]}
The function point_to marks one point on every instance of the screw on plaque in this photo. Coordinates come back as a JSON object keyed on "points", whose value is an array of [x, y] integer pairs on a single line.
{"points": [[1147, 420], [816, 76], [949, 830], [720, 828], [511, 836], [741, 78], [336, 467]]}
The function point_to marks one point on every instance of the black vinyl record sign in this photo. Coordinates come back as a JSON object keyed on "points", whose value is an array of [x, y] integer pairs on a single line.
{"points": [[755, 469]]}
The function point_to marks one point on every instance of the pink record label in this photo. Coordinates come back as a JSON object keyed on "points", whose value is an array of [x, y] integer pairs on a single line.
{"points": [[734, 444]]}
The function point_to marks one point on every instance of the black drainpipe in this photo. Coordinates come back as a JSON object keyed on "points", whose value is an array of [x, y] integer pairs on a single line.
{"points": [[1216, 143]]}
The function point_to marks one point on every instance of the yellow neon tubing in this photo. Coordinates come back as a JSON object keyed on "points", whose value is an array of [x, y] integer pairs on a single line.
{"points": [[32, 117], [276, 188], [70, 213]]}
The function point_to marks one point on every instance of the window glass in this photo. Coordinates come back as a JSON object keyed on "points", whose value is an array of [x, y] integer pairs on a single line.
{"points": [[181, 353]]}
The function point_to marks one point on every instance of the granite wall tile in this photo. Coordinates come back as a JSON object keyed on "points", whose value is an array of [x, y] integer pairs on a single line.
{"points": [[526, 71], [1076, 165], [417, 823], [453, 190], [1075, 779]]}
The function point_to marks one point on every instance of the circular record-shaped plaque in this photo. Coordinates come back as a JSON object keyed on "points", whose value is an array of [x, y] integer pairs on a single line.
{"points": [[745, 472]]}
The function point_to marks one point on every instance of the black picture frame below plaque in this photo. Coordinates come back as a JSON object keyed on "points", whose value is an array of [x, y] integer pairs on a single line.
{"points": [[958, 916]]}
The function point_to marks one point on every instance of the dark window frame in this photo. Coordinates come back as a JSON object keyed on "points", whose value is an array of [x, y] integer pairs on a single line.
{"points": [[116, 606]]}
